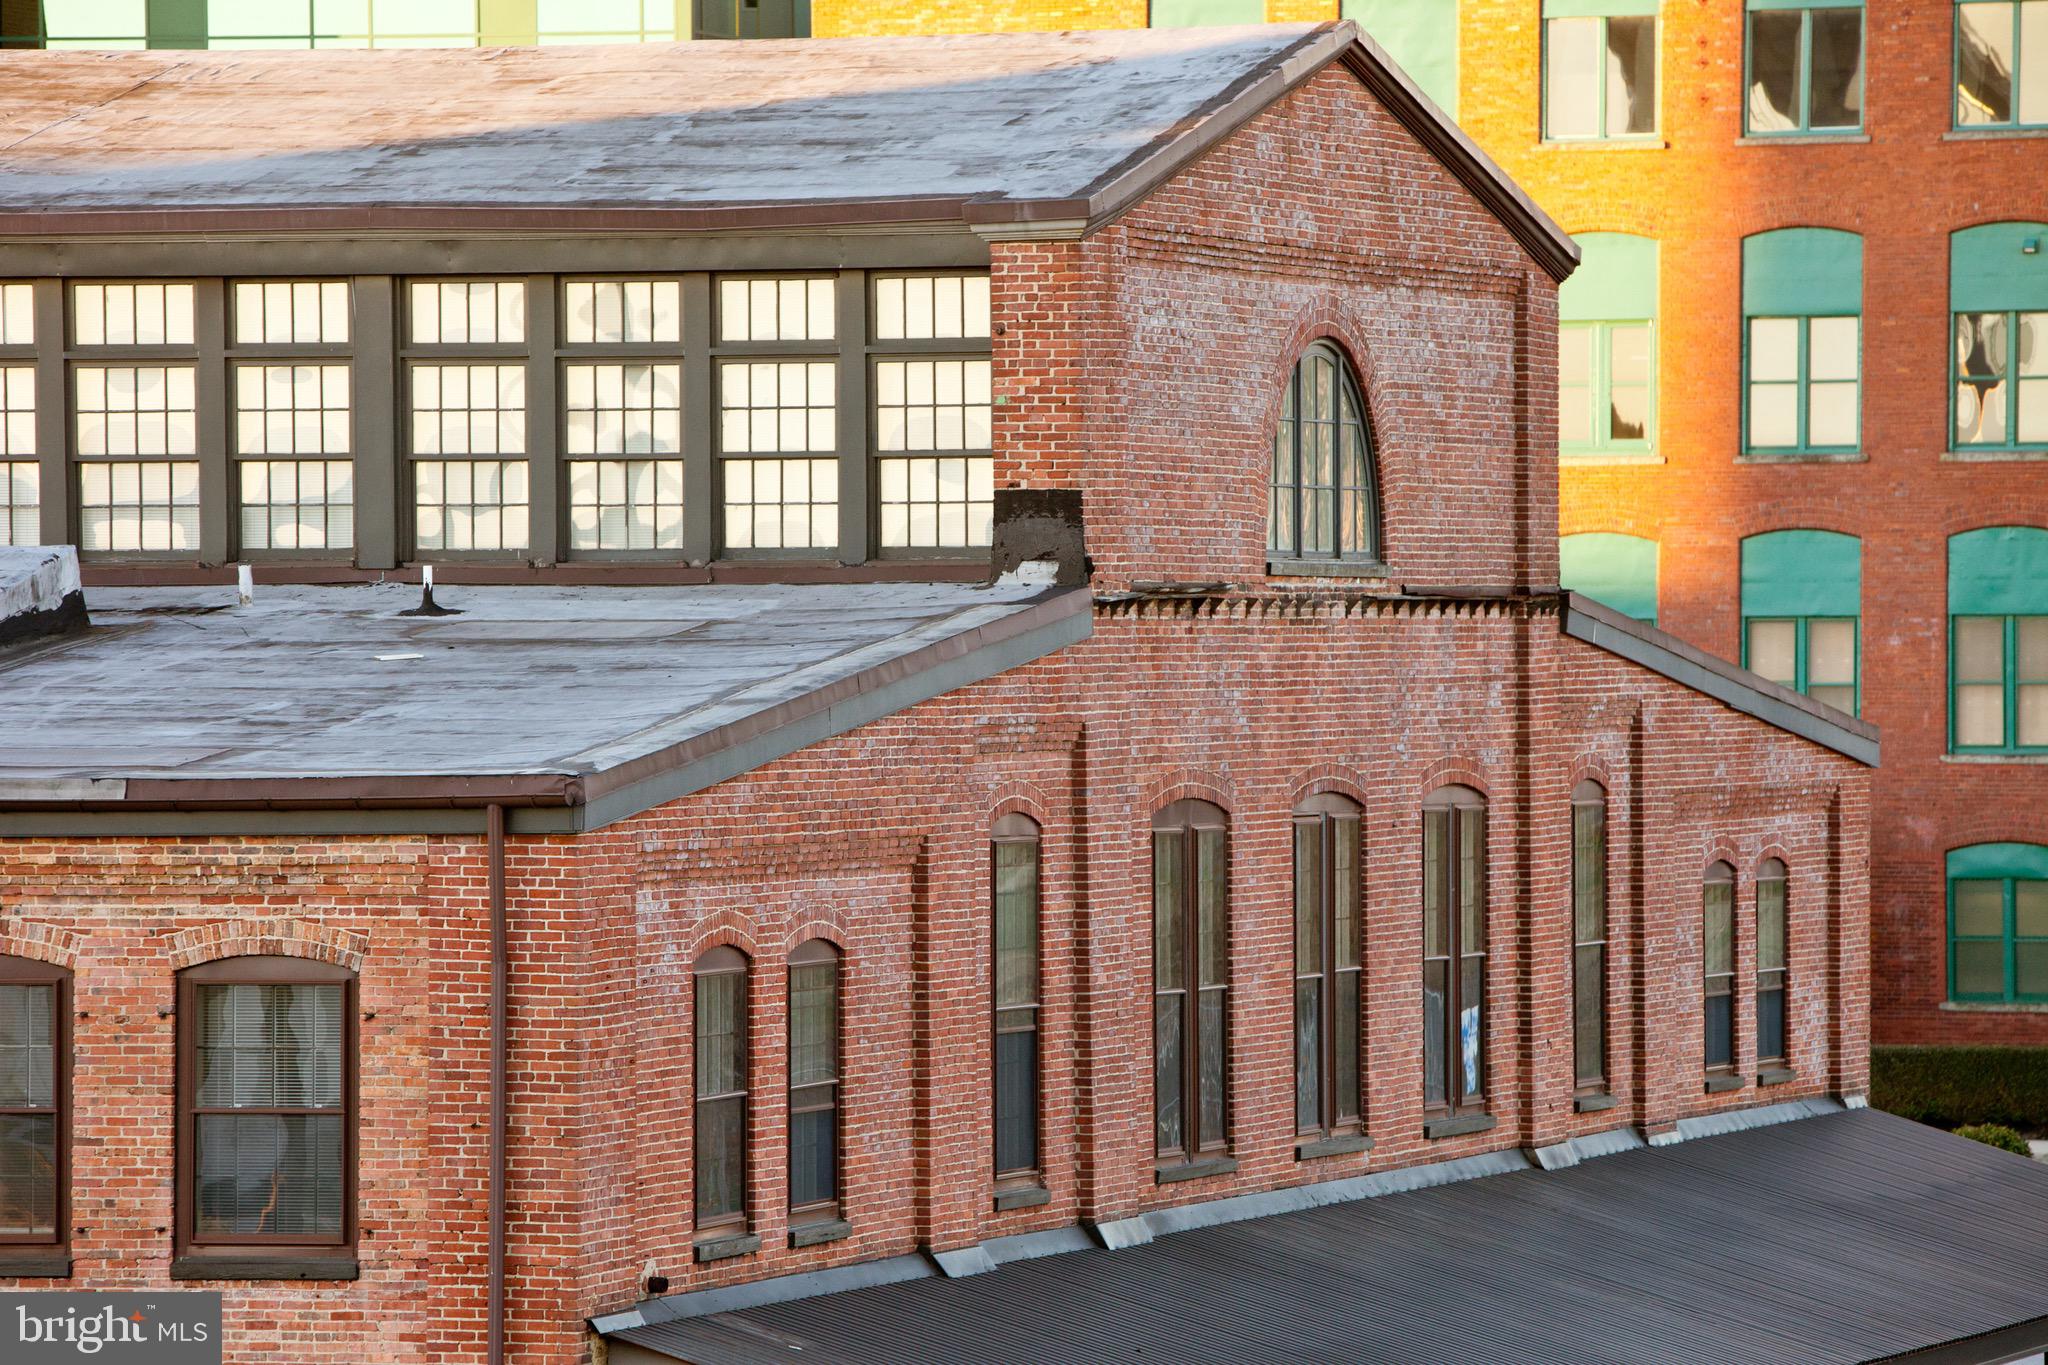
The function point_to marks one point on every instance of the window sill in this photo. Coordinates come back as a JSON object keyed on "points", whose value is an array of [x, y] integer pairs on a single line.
{"points": [[1995, 455], [264, 1266], [1339, 1144], [1326, 568], [1193, 1170], [725, 1248], [1776, 1075], [1995, 1006], [1809, 138], [1022, 1197], [2019, 758], [1604, 459], [1802, 457], [818, 1232], [1593, 1104], [1721, 1085], [1458, 1126], [1652, 143], [1990, 134], [35, 1264]]}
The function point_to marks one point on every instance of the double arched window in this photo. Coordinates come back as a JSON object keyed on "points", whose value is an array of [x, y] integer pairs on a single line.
{"points": [[1324, 486]]}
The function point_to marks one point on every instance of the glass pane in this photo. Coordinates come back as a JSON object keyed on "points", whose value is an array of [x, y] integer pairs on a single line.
{"points": [[1435, 1011], [1719, 1022], [1571, 93], [1841, 698], [269, 1046], [1017, 1100], [2030, 909], [1774, 348], [1308, 898], [2033, 75], [1981, 371], [813, 1023], [1830, 653], [28, 1175], [27, 1049], [1212, 905], [1770, 925], [1773, 651], [1770, 1025], [1589, 872], [2032, 633], [1980, 969], [1831, 415], [1214, 1066], [1589, 1012], [1575, 383], [1344, 927], [257, 1174], [1471, 1027], [1980, 649], [1344, 1045], [1169, 935], [1773, 415], [721, 1158], [1720, 929], [721, 1060], [813, 1157], [1631, 75], [1170, 1133], [1980, 908], [1980, 716], [1308, 1055], [1436, 924], [1016, 929], [1471, 881], [1773, 70], [1837, 78], [2031, 720], [2030, 969], [1984, 64]]}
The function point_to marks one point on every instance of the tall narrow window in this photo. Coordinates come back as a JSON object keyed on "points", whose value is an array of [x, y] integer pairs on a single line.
{"points": [[934, 412], [814, 1081], [1589, 937], [35, 1093], [1014, 876], [1190, 980], [1718, 967], [1770, 964], [1801, 594], [778, 414], [1327, 934], [1454, 951], [1606, 351], [470, 474], [20, 474], [134, 417], [1805, 67], [1802, 305], [2001, 63], [622, 401], [1325, 499], [721, 1110], [1998, 640], [1998, 298], [1599, 69], [1998, 923], [266, 1122]]}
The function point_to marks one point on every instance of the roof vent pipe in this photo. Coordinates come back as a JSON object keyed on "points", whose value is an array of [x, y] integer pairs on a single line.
{"points": [[245, 584], [427, 606]]}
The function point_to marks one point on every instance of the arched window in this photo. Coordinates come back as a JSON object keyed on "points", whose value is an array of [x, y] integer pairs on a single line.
{"points": [[266, 1138], [1589, 937], [1454, 953], [1190, 980], [1801, 593], [1998, 923], [1327, 937], [1770, 963], [1802, 310], [721, 1108], [1998, 294], [814, 1081], [1998, 640], [35, 1095], [1718, 970], [1617, 570], [1013, 873], [1325, 498]]}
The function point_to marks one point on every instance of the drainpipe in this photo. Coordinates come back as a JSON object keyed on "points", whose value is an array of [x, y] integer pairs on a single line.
{"points": [[496, 1308]]}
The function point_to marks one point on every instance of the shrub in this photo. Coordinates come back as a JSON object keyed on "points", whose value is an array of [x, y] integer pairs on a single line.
{"points": [[1951, 1087], [1995, 1135]]}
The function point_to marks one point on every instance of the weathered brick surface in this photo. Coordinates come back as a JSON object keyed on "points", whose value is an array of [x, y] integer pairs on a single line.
{"points": [[1142, 365]]}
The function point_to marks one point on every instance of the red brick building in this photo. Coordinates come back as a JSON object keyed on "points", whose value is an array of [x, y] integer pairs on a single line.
{"points": [[735, 890]]}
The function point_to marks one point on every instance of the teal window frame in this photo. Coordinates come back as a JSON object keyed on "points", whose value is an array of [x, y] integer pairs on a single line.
{"points": [[1600, 386], [1803, 384], [1996, 573], [2011, 680], [2019, 66], [1421, 35], [1605, 11], [1805, 576], [1805, 9], [2008, 865], [1999, 270], [1611, 547], [1614, 287], [1801, 626], [1205, 13], [2011, 381]]}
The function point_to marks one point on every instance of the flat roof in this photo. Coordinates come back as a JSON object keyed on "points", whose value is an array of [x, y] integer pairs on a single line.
{"points": [[542, 695], [1849, 1236]]}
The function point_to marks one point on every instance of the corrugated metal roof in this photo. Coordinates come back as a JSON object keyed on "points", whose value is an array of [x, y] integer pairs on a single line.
{"points": [[1844, 1238]]}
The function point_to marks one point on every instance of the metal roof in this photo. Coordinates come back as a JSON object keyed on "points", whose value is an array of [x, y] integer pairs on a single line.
{"points": [[1850, 1237], [563, 696]]}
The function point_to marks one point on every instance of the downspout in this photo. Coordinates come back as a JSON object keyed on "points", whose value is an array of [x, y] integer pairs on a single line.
{"points": [[496, 1306]]}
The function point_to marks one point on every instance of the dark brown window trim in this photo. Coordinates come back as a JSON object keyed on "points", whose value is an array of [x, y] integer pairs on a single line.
{"points": [[41, 1255], [1173, 1172], [1458, 806], [818, 1096], [1022, 1197], [1593, 1104], [1340, 1144], [713, 1230], [1458, 1126], [1720, 985], [1333, 821], [1722, 1083], [725, 1248], [257, 1257], [1185, 822], [1590, 798], [1017, 829], [818, 1232]]}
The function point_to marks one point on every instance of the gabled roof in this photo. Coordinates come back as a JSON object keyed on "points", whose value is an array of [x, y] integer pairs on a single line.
{"points": [[987, 129]]}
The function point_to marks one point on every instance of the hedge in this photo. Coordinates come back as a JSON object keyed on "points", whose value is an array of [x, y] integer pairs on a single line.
{"points": [[1996, 1135], [1952, 1086]]}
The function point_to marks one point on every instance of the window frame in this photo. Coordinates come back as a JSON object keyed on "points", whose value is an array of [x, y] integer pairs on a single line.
{"points": [[1016, 829], [2019, 57], [2011, 682], [1327, 814], [818, 952], [25, 355], [1295, 557], [2011, 380], [722, 960], [800, 19], [1774, 980], [1800, 650], [413, 356], [564, 353], [1590, 795], [876, 350], [238, 353], [187, 1245], [1805, 9], [1600, 390], [28, 1253], [2009, 939], [1187, 821], [1802, 387], [1457, 805], [1606, 14], [1719, 985]]}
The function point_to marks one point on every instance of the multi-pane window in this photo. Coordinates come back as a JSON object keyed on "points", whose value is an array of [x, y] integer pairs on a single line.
{"points": [[776, 310], [2001, 63], [468, 312], [1802, 341], [1599, 69], [131, 314], [1190, 981], [772, 416], [34, 1090], [622, 312], [625, 504], [1770, 963], [297, 486], [1454, 951], [1013, 869], [933, 413], [2001, 379], [470, 504], [17, 315], [1998, 640], [1328, 934], [135, 418], [604, 21], [291, 313], [1606, 361], [469, 410], [1589, 937], [1998, 923], [130, 505], [814, 1080], [266, 1083], [21, 502], [1717, 959], [622, 410], [20, 475], [131, 410], [721, 1096], [1324, 498], [1801, 595], [752, 18], [1805, 66], [1807, 654]]}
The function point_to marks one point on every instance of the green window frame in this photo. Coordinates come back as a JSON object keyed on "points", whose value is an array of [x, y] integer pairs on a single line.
{"points": [[1998, 641], [1801, 595], [751, 18], [1621, 39], [1617, 570], [1998, 353], [1999, 81], [1808, 24], [1802, 342], [1421, 37], [1997, 898], [1607, 348], [1205, 13]]}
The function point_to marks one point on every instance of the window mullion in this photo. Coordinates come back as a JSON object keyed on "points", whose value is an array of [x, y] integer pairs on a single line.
{"points": [[2012, 927], [700, 483], [544, 422], [2010, 668], [1804, 392], [211, 398], [1805, 71], [855, 422], [1600, 83], [1326, 993]]}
